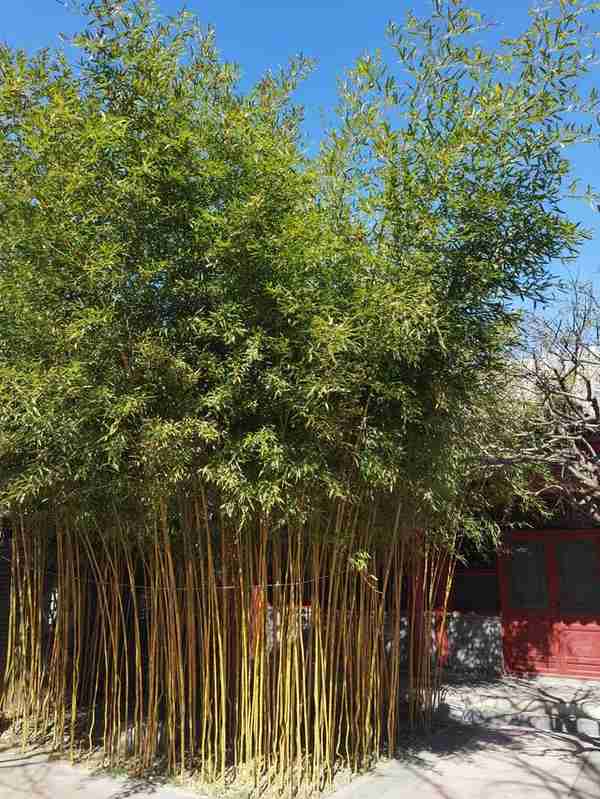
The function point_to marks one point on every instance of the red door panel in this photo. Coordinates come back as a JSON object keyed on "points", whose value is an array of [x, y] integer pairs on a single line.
{"points": [[530, 645], [550, 590], [580, 649]]}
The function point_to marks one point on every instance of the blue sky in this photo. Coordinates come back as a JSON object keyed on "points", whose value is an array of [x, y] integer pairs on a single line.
{"points": [[259, 35]]}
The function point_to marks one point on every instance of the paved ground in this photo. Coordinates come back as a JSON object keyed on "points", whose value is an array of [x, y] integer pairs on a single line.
{"points": [[558, 704], [505, 739], [459, 762], [467, 762], [32, 776]]}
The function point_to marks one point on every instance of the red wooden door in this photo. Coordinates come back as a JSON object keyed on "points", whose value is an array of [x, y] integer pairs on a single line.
{"points": [[550, 591]]}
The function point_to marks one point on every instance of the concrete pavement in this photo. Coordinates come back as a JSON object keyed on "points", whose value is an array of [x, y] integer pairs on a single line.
{"points": [[559, 704], [31, 775], [461, 761], [468, 762]]}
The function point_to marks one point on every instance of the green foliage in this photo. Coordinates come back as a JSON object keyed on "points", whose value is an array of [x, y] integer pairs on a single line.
{"points": [[456, 163], [185, 296]]}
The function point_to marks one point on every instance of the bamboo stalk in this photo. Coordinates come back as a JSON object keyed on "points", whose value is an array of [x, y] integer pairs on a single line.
{"points": [[187, 634]]}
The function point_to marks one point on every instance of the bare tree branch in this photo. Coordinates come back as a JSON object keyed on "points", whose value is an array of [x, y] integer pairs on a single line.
{"points": [[556, 388]]}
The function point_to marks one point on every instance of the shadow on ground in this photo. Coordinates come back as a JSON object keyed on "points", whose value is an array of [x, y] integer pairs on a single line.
{"points": [[32, 767], [560, 705], [458, 761], [494, 762]]}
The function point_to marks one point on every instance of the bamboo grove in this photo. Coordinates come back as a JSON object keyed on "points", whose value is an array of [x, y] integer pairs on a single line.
{"points": [[247, 394], [266, 660]]}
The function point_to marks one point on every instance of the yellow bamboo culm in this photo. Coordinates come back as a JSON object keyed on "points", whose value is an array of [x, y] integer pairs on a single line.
{"points": [[258, 654]]}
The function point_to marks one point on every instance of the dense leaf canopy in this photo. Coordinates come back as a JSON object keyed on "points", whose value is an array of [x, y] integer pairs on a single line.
{"points": [[185, 295]]}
